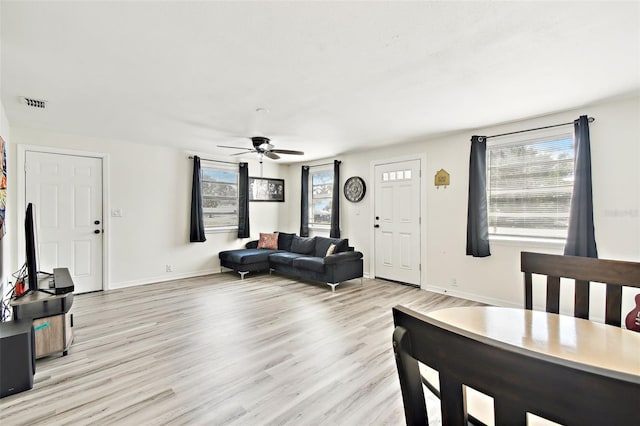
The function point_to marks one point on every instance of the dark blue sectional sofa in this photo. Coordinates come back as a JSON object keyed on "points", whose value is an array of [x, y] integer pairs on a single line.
{"points": [[298, 256]]}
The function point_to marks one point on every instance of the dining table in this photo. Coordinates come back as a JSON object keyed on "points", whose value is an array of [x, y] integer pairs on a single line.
{"points": [[581, 343]]}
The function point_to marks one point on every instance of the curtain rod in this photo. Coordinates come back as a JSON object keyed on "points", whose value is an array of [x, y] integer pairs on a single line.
{"points": [[323, 164], [214, 161], [591, 120]]}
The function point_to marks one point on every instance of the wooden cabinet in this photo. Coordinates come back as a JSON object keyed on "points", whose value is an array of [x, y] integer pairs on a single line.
{"points": [[53, 334]]}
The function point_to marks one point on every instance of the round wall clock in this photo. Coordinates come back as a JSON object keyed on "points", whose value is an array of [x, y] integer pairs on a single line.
{"points": [[354, 189]]}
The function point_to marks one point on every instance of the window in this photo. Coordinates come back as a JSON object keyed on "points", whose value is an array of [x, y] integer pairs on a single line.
{"points": [[397, 175], [321, 197], [219, 197], [529, 187]]}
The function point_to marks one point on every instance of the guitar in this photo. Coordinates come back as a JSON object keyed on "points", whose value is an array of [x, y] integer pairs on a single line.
{"points": [[632, 321]]}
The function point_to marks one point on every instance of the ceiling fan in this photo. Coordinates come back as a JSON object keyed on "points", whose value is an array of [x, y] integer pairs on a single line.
{"points": [[263, 147]]}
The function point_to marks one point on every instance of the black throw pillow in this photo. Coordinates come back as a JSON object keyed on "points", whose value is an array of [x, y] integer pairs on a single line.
{"points": [[284, 241], [302, 245]]}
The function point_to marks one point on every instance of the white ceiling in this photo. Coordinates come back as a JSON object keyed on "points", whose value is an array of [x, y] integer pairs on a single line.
{"points": [[335, 77]]}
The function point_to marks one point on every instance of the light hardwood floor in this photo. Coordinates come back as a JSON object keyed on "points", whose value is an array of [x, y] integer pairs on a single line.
{"points": [[219, 350]]}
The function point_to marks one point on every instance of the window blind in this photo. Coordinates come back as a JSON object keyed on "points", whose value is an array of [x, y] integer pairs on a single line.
{"points": [[219, 197], [529, 186]]}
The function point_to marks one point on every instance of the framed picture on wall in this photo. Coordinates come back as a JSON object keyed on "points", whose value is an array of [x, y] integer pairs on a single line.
{"points": [[266, 189]]}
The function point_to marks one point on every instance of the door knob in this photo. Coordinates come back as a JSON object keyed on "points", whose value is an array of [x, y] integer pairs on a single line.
{"points": [[97, 231], [97, 222], [376, 226]]}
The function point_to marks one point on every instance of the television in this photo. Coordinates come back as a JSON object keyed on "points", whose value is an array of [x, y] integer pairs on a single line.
{"points": [[31, 243]]}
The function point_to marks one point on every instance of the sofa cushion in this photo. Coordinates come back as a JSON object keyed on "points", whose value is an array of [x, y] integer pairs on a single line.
{"points": [[284, 241], [268, 241], [304, 245], [323, 243], [284, 258], [306, 263], [245, 256]]}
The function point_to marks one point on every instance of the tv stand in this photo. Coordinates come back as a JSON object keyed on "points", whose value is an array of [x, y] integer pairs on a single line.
{"points": [[51, 316], [28, 292]]}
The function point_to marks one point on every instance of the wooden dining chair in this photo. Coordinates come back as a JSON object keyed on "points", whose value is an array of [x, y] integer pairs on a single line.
{"points": [[519, 382], [615, 274]]}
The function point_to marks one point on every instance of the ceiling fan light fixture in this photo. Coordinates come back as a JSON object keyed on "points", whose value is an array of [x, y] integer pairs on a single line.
{"points": [[258, 141]]}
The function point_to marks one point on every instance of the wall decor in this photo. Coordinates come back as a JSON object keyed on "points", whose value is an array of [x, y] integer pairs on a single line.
{"points": [[3, 187], [354, 189], [266, 189], [442, 179]]}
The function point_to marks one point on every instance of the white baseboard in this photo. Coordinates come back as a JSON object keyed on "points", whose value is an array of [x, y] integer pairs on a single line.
{"points": [[471, 296], [162, 278]]}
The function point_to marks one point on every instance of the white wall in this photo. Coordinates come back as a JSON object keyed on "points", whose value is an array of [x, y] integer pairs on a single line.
{"points": [[155, 193], [615, 144], [152, 186]]}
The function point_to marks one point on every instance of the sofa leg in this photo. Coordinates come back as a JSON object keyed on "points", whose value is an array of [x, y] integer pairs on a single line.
{"points": [[242, 274], [333, 286]]}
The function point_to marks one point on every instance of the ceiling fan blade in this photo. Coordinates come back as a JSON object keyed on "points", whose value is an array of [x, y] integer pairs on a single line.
{"points": [[234, 147], [287, 151], [271, 155], [242, 153]]}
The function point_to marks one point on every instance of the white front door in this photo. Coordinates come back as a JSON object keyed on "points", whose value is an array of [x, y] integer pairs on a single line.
{"points": [[397, 221], [66, 191]]}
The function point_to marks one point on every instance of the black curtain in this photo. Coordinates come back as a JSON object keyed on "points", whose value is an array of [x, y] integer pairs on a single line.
{"points": [[477, 224], [304, 202], [197, 221], [243, 200], [335, 202], [581, 240]]}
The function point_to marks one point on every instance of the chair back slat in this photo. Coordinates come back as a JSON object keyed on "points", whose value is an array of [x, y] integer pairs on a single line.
{"points": [[509, 412], [614, 305], [581, 301], [553, 294], [528, 290], [583, 270], [454, 405]]}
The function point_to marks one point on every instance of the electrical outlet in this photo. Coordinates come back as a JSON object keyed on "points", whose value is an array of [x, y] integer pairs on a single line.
{"points": [[169, 268]]}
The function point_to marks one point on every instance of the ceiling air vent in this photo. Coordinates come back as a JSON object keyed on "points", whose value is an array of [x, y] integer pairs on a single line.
{"points": [[35, 103]]}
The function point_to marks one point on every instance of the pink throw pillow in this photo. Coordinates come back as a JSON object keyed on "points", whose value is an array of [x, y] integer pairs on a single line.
{"points": [[268, 241]]}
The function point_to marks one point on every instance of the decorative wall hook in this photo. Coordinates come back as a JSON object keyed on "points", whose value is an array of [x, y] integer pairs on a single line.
{"points": [[442, 179]]}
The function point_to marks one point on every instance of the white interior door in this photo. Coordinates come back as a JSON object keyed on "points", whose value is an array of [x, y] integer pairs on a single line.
{"points": [[66, 191], [397, 221]]}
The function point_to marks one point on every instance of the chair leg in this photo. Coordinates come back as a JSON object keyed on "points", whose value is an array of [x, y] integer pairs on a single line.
{"points": [[415, 408], [333, 286], [242, 274]]}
